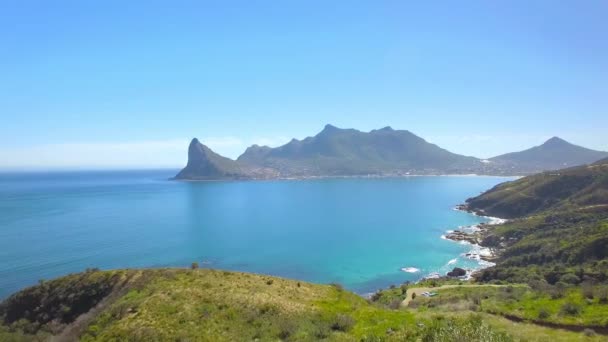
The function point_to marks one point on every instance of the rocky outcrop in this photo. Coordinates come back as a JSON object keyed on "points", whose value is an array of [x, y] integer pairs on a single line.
{"points": [[457, 272], [204, 164]]}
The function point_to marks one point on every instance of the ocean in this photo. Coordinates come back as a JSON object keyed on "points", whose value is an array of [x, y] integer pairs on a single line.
{"points": [[359, 232]]}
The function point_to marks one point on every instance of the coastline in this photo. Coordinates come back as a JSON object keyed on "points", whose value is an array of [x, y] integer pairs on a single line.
{"points": [[312, 177], [473, 236]]}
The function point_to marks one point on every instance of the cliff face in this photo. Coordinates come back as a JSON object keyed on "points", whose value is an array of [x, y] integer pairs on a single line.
{"points": [[204, 164]]}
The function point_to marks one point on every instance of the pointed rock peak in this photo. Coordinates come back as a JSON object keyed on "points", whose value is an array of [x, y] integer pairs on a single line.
{"points": [[197, 150]]}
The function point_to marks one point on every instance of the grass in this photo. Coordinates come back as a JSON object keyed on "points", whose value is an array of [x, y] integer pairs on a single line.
{"points": [[213, 305], [521, 302]]}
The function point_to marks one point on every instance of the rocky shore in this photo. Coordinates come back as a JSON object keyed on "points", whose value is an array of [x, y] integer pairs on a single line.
{"points": [[476, 235]]}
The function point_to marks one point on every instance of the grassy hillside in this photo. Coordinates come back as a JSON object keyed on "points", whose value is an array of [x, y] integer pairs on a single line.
{"points": [[526, 313], [552, 246], [211, 305], [548, 191]]}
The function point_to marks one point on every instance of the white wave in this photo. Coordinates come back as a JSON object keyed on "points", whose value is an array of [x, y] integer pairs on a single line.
{"points": [[410, 269], [453, 261], [433, 275]]}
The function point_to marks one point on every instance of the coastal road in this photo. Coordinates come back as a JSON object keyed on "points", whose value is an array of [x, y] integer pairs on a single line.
{"points": [[419, 290]]}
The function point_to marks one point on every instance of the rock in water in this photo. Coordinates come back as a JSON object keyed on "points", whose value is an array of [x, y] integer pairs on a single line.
{"points": [[457, 272]]}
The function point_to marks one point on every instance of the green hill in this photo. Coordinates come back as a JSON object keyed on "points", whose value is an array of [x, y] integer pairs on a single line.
{"points": [[211, 305], [559, 228], [553, 190]]}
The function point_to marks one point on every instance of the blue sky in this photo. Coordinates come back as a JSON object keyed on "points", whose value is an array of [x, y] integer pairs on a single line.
{"points": [[127, 83]]}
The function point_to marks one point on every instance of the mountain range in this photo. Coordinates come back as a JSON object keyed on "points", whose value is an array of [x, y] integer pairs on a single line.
{"points": [[382, 152]]}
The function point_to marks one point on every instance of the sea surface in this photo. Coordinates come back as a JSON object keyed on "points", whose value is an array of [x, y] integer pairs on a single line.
{"points": [[359, 232]]}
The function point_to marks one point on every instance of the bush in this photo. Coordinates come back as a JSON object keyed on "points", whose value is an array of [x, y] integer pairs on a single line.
{"points": [[403, 289], [558, 291], [570, 278], [337, 286], [342, 323], [543, 314], [570, 309], [194, 265], [269, 282], [602, 294], [587, 290], [395, 304]]}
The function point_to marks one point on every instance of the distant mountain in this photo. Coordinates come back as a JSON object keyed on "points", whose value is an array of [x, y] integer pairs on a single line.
{"points": [[582, 186], [382, 152], [336, 151], [204, 164], [554, 154]]}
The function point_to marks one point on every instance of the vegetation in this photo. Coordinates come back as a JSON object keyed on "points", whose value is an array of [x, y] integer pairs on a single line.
{"points": [[570, 247], [210, 305]]}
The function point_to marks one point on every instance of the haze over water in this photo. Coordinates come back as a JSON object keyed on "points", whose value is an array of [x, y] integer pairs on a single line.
{"points": [[357, 232]]}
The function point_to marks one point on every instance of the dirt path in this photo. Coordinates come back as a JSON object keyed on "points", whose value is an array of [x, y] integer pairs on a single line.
{"points": [[419, 290]]}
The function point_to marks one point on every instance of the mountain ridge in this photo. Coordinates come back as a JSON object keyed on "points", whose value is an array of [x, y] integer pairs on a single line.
{"points": [[338, 152]]}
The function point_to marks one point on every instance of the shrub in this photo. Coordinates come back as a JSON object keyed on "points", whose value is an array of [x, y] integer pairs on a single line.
{"points": [[558, 291], [570, 278], [543, 314], [194, 265], [376, 296], [587, 290], [602, 294], [286, 328], [403, 289], [269, 282], [342, 323], [395, 304], [570, 309], [337, 286], [413, 295]]}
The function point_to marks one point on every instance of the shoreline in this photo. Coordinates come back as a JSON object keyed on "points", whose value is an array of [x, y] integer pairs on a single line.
{"points": [[472, 235], [369, 176]]}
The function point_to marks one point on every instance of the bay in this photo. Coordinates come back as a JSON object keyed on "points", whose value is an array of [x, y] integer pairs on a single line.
{"points": [[358, 232]]}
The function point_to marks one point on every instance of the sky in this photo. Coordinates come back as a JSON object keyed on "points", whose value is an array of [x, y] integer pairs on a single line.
{"points": [[127, 84]]}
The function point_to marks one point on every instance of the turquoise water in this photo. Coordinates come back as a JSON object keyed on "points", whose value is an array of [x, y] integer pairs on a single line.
{"points": [[357, 232]]}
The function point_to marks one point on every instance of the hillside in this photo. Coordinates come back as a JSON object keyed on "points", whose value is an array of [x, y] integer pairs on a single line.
{"points": [[553, 190], [211, 305], [554, 154], [559, 228]]}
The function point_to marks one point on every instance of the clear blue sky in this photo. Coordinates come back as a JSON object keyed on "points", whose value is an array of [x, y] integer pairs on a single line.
{"points": [[128, 83]]}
